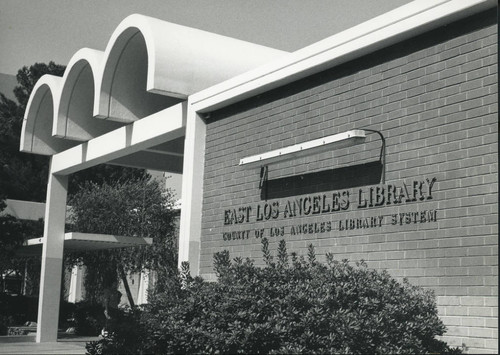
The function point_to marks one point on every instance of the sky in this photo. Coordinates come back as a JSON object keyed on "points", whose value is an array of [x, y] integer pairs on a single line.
{"points": [[34, 31], [42, 30]]}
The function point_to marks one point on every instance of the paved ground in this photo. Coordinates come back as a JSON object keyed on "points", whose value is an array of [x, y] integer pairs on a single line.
{"points": [[25, 344]]}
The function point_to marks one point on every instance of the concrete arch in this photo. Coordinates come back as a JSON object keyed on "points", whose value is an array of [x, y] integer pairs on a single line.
{"points": [[73, 117], [36, 133], [146, 56], [128, 66]]}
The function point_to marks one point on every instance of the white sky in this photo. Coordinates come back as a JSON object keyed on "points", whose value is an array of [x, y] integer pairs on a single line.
{"points": [[42, 30]]}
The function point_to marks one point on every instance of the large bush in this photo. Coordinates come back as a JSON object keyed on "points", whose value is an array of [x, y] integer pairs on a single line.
{"points": [[292, 305]]}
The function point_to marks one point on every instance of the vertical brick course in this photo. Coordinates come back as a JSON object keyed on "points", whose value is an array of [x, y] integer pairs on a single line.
{"points": [[435, 100]]}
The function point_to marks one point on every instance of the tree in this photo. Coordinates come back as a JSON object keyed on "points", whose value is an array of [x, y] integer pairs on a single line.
{"points": [[23, 176], [133, 208], [104, 174], [13, 233], [27, 78]]}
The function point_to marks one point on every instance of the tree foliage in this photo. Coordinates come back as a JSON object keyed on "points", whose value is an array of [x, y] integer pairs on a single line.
{"points": [[22, 176], [292, 305], [13, 233], [104, 174], [132, 208]]}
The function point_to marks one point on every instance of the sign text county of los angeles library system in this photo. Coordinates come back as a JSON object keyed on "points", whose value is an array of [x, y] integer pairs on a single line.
{"points": [[326, 204]]}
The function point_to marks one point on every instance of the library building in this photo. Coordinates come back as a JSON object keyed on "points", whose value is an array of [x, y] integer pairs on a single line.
{"points": [[379, 143]]}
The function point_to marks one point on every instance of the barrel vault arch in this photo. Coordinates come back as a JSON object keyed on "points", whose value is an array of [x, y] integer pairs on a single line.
{"points": [[73, 117], [127, 71], [36, 132]]}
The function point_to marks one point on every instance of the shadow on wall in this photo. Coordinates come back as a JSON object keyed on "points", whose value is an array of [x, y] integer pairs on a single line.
{"points": [[326, 180]]}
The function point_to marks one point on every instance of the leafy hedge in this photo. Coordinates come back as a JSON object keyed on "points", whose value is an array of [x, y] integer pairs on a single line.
{"points": [[292, 305]]}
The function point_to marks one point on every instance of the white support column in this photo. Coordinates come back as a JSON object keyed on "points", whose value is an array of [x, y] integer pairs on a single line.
{"points": [[52, 258], [192, 190]]}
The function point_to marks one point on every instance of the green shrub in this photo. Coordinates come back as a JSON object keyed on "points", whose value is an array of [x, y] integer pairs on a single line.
{"points": [[292, 305], [124, 334]]}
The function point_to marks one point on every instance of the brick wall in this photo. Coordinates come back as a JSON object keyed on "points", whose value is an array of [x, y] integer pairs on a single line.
{"points": [[434, 98]]}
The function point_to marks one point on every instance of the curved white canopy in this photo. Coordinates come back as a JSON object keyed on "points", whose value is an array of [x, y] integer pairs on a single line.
{"points": [[36, 134], [148, 66], [73, 117]]}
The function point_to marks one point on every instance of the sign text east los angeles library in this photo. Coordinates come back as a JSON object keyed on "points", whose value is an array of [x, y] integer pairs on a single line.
{"points": [[325, 204]]}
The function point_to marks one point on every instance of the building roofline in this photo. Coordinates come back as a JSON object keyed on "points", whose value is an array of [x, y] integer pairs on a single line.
{"points": [[387, 29]]}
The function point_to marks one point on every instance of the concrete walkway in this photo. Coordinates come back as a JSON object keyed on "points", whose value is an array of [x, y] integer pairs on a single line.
{"points": [[25, 344]]}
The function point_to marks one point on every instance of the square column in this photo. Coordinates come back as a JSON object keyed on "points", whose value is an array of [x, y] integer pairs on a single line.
{"points": [[192, 191], [52, 259]]}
